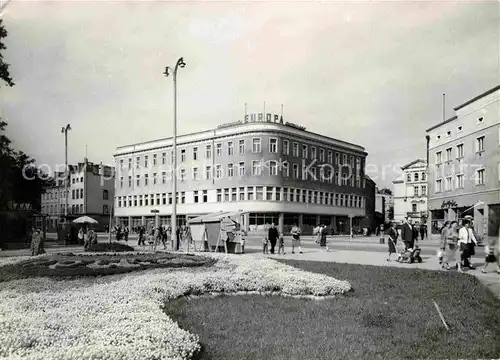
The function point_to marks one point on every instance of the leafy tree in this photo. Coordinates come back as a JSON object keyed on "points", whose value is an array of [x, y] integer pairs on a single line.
{"points": [[4, 67]]}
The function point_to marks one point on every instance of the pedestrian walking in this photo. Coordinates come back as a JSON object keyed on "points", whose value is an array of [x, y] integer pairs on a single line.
{"points": [[492, 254], [466, 241], [141, 236], [272, 235], [296, 238], [36, 239], [392, 240], [323, 233], [265, 245], [281, 244], [408, 234], [450, 246]]}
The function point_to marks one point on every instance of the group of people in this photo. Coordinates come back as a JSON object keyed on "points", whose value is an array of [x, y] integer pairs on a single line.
{"points": [[87, 236], [458, 243], [275, 237]]}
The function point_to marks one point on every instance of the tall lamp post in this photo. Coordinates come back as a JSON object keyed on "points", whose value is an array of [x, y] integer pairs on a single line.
{"points": [[180, 64], [65, 130]]}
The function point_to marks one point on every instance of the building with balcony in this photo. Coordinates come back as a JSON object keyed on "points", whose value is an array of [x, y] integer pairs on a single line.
{"points": [[90, 192], [464, 165], [410, 193], [275, 172]]}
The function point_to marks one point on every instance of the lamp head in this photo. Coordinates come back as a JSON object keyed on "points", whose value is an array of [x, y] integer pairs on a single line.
{"points": [[182, 63], [167, 71]]}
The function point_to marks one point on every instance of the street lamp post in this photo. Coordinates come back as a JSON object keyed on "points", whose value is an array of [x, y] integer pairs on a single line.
{"points": [[180, 64], [65, 130]]}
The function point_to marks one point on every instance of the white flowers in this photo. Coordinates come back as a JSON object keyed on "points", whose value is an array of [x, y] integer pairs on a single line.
{"points": [[120, 316]]}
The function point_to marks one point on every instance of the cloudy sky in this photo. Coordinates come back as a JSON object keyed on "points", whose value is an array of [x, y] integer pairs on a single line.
{"points": [[372, 73]]}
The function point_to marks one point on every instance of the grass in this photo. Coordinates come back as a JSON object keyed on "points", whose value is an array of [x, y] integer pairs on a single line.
{"points": [[70, 265], [389, 315]]}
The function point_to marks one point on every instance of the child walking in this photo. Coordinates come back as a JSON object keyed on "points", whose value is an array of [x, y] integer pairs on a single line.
{"points": [[492, 255], [281, 245], [265, 246]]}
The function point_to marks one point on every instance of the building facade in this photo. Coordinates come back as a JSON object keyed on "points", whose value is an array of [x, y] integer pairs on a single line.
{"points": [[410, 191], [384, 202], [274, 172], [90, 192], [464, 165]]}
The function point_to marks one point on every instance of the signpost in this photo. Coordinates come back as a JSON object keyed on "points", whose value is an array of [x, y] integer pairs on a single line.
{"points": [[350, 226]]}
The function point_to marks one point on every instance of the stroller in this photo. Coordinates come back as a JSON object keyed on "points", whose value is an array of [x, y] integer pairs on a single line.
{"points": [[409, 256]]}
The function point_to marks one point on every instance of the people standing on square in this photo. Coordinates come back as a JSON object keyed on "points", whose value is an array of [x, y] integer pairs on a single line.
{"points": [[323, 233], [272, 236], [265, 245], [296, 238], [141, 236], [408, 234], [281, 244], [467, 241], [392, 240]]}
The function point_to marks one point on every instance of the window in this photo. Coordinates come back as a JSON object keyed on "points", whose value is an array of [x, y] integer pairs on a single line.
{"points": [[480, 120], [138, 162], [278, 194], [408, 177], [230, 148], [195, 153], [286, 147], [460, 181], [439, 184], [480, 177], [313, 174], [219, 195], [447, 184], [313, 153], [286, 170], [121, 164], [424, 190], [121, 181], [273, 145], [256, 169], [218, 171], [138, 180], [438, 157], [241, 145], [322, 155], [250, 193], [196, 174], [460, 128], [415, 176], [295, 149], [448, 154], [438, 137], [304, 172], [130, 163], [73, 194], [218, 148], [208, 151], [448, 133], [130, 181], [164, 158], [259, 193], [145, 179], [414, 207], [234, 194], [195, 197], [269, 193], [256, 145], [330, 156], [460, 151], [208, 172], [415, 191], [304, 151], [145, 161], [241, 169], [344, 159], [183, 155], [230, 170], [154, 178], [155, 162], [205, 196], [226, 194], [273, 168], [480, 144], [423, 176], [164, 177], [337, 158], [183, 174], [295, 171], [169, 199], [242, 194]]}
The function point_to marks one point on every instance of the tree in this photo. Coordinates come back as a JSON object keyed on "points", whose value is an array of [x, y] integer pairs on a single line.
{"points": [[4, 67], [385, 191]]}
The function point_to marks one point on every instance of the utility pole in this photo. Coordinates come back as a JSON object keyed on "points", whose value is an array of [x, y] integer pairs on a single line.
{"points": [[66, 175]]}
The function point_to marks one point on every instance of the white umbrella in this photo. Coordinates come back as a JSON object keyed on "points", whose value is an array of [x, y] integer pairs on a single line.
{"points": [[85, 220]]}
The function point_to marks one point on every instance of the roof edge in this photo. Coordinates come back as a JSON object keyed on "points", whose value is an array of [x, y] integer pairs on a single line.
{"points": [[442, 123], [487, 92]]}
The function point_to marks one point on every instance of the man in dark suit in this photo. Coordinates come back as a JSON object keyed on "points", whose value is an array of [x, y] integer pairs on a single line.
{"points": [[272, 236], [408, 234]]}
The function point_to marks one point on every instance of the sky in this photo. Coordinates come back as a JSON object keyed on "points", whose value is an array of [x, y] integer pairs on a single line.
{"points": [[371, 73]]}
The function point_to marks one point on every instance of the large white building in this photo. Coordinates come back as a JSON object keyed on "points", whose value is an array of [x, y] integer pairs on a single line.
{"points": [[275, 172], [410, 193]]}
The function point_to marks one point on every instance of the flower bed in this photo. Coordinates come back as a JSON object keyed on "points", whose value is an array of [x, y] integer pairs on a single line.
{"points": [[109, 247], [121, 317]]}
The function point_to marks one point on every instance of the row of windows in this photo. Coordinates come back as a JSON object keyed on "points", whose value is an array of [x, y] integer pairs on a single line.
{"points": [[459, 151], [446, 184], [73, 209], [460, 128], [417, 192], [75, 194], [416, 176], [248, 193], [311, 173], [304, 151]]}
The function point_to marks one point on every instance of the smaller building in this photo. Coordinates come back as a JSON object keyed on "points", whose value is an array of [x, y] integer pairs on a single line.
{"points": [[384, 204], [410, 193], [90, 192]]}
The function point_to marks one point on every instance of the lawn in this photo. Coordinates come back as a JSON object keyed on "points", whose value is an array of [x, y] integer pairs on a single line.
{"points": [[388, 315]]}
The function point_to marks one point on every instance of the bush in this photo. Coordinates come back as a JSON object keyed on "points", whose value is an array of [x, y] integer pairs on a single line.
{"points": [[109, 247]]}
